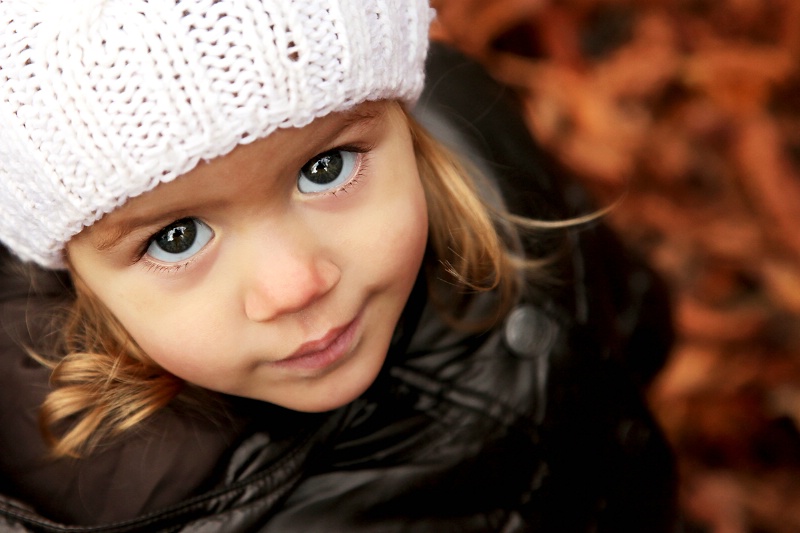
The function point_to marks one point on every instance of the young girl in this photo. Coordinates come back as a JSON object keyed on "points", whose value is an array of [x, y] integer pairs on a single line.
{"points": [[289, 308]]}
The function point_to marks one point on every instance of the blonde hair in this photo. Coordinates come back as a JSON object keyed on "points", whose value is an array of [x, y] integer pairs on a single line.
{"points": [[106, 384]]}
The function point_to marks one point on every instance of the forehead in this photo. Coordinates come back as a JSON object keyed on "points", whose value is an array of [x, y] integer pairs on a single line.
{"points": [[250, 164], [285, 145]]}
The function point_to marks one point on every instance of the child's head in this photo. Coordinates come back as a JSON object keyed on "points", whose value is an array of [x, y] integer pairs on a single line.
{"points": [[239, 193], [102, 100], [248, 277]]}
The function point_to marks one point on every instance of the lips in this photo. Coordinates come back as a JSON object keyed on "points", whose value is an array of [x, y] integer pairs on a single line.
{"points": [[323, 352]]}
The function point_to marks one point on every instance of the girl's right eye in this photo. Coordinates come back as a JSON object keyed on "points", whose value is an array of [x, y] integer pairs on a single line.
{"points": [[180, 240]]}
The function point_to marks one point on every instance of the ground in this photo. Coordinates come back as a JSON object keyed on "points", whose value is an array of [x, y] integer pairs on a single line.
{"points": [[690, 110]]}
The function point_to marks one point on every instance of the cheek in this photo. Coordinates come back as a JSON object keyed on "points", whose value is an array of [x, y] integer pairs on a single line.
{"points": [[177, 344], [396, 233], [411, 236], [177, 332]]}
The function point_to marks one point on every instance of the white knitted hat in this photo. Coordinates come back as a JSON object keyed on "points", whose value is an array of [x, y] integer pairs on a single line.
{"points": [[102, 100]]}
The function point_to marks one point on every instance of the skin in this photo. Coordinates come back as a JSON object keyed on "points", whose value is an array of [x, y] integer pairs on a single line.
{"points": [[294, 297]]}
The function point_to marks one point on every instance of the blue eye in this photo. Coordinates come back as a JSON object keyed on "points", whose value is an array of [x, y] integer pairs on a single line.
{"points": [[326, 171], [180, 240]]}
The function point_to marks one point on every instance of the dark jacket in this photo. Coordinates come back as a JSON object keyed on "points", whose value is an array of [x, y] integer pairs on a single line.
{"points": [[536, 425]]}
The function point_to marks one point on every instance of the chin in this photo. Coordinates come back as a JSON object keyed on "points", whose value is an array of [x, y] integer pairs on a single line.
{"points": [[339, 392], [323, 405]]}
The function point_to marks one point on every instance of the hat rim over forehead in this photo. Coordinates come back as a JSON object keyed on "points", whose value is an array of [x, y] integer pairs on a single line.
{"points": [[102, 102]]}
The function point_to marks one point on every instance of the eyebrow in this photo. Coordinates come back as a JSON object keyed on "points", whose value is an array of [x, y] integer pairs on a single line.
{"points": [[360, 117], [365, 115]]}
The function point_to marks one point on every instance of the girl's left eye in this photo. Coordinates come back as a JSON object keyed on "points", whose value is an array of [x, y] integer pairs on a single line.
{"points": [[326, 171], [180, 240]]}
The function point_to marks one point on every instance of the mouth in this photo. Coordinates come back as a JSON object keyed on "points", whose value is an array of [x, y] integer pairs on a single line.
{"points": [[325, 351]]}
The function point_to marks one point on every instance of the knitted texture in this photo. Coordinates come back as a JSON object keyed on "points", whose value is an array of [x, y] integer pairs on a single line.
{"points": [[102, 100]]}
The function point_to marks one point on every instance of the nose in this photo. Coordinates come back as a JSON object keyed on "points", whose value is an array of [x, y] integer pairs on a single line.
{"points": [[286, 278]]}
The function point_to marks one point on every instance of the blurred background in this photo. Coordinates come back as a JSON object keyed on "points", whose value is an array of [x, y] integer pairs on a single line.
{"points": [[692, 109]]}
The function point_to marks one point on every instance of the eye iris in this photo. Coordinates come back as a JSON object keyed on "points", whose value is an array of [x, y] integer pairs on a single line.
{"points": [[324, 169], [178, 237]]}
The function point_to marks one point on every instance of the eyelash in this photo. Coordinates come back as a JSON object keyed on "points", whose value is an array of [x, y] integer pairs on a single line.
{"points": [[363, 152], [158, 268], [352, 182]]}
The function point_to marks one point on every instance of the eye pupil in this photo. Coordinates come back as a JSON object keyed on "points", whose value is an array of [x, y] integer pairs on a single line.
{"points": [[325, 168], [177, 237], [328, 171]]}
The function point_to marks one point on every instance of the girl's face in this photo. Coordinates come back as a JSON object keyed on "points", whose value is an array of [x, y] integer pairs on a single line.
{"points": [[277, 272]]}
